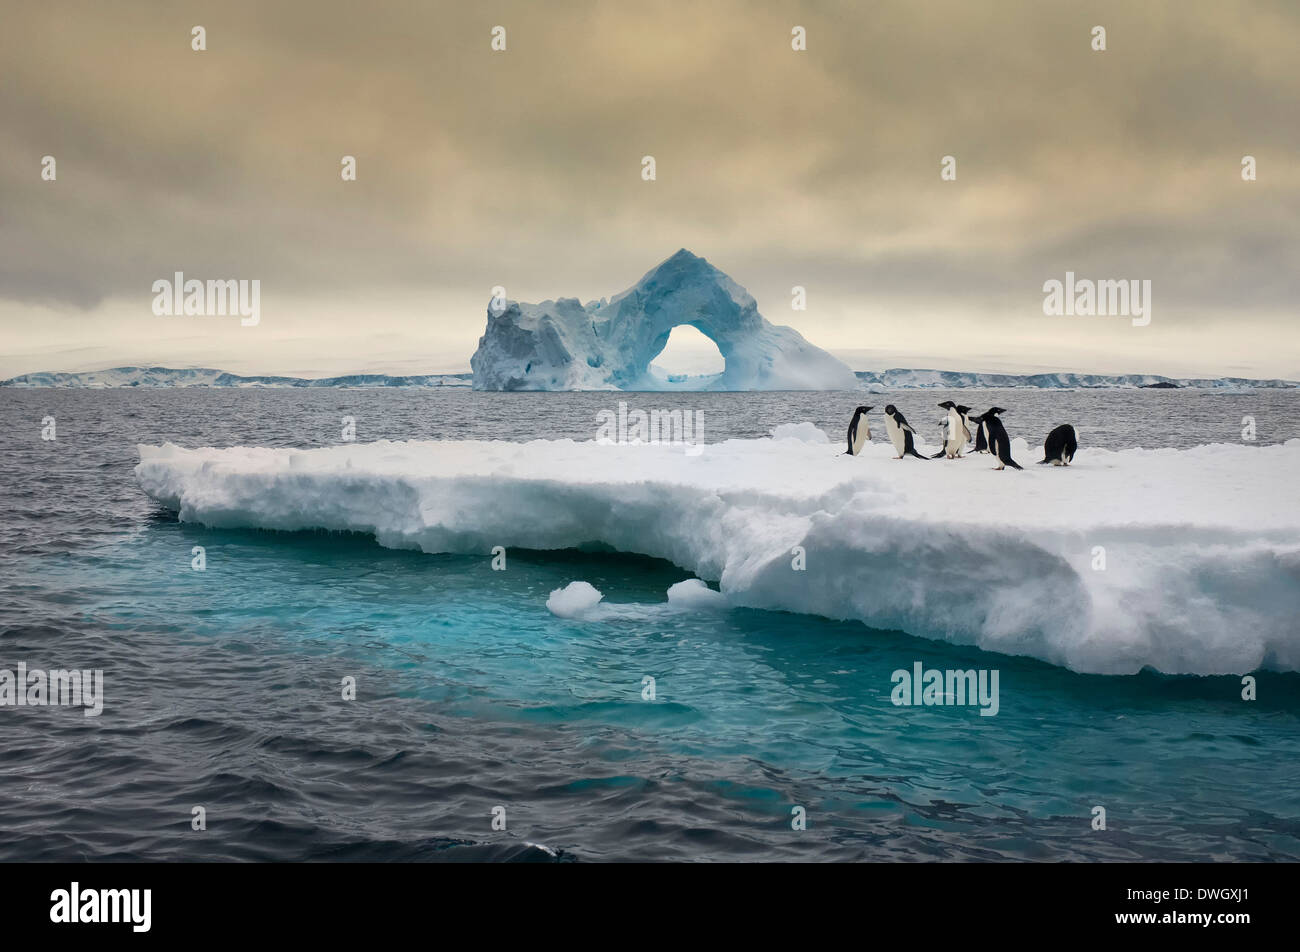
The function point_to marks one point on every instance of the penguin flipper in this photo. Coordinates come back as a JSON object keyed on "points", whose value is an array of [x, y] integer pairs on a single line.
{"points": [[1010, 462], [940, 453]]}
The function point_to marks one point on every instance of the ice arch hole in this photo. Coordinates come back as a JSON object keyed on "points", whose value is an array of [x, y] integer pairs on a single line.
{"points": [[688, 353]]}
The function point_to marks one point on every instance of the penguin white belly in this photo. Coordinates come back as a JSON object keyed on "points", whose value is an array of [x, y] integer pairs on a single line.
{"points": [[896, 435], [952, 446], [862, 436]]}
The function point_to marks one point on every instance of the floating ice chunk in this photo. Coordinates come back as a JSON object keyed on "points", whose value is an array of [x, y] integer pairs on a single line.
{"points": [[574, 600], [581, 600], [693, 595]]}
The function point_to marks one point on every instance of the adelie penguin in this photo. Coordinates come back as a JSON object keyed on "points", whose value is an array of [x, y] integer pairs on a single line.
{"points": [[1060, 446], [981, 435], [859, 431], [900, 434], [999, 442], [956, 432], [965, 419]]}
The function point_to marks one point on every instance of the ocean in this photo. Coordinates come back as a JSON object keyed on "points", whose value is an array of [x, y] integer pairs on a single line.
{"points": [[478, 708]]}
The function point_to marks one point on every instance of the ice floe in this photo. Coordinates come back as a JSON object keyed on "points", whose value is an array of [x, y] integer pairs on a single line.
{"points": [[1184, 560]]}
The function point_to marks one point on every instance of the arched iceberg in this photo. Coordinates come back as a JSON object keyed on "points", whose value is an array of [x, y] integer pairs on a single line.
{"points": [[608, 345]]}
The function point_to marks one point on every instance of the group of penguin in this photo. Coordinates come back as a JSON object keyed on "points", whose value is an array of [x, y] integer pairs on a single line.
{"points": [[991, 436]]}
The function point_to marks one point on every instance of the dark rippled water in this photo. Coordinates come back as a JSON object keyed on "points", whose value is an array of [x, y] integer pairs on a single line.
{"points": [[222, 688]]}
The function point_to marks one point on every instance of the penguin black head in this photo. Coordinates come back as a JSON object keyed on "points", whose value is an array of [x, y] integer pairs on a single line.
{"points": [[947, 404], [861, 410], [963, 410], [994, 411], [890, 410]]}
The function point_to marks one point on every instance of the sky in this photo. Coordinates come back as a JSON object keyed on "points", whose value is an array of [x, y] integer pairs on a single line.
{"points": [[522, 168]]}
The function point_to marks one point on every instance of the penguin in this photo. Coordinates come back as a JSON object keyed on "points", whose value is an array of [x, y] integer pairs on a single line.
{"points": [[900, 433], [859, 431], [955, 433], [945, 428], [981, 436], [965, 420], [1060, 446], [999, 442]]}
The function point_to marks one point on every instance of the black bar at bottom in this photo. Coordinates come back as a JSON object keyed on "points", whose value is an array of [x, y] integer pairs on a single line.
{"points": [[332, 902]]}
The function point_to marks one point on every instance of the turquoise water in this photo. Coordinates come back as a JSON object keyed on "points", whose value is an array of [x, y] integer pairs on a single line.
{"points": [[223, 689]]}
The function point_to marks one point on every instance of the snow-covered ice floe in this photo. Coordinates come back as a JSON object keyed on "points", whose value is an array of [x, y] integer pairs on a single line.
{"points": [[1184, 560]]}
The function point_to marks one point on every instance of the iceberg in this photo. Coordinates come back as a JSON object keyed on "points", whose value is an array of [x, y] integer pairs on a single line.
{"points": [[1186, 561], [608, 345]]}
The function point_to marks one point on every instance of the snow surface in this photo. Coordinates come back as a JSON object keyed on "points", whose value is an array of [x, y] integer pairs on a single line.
{"points": [[608, 345], [1201, 546]]}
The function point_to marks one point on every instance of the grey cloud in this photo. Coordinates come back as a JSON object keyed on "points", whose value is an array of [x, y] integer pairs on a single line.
{"points": [[523, 168]]}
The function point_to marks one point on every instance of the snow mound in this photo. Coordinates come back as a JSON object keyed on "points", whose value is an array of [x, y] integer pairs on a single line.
{"points": [[804, 432], [608, 345], [1183, 560]]}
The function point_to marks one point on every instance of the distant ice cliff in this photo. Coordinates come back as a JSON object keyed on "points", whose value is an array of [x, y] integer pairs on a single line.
{"points": [[880, 381], [207, 377], [886, 380]]}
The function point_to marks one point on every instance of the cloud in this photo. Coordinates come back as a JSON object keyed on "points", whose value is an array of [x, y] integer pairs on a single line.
{"points": [[522, 168]]}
